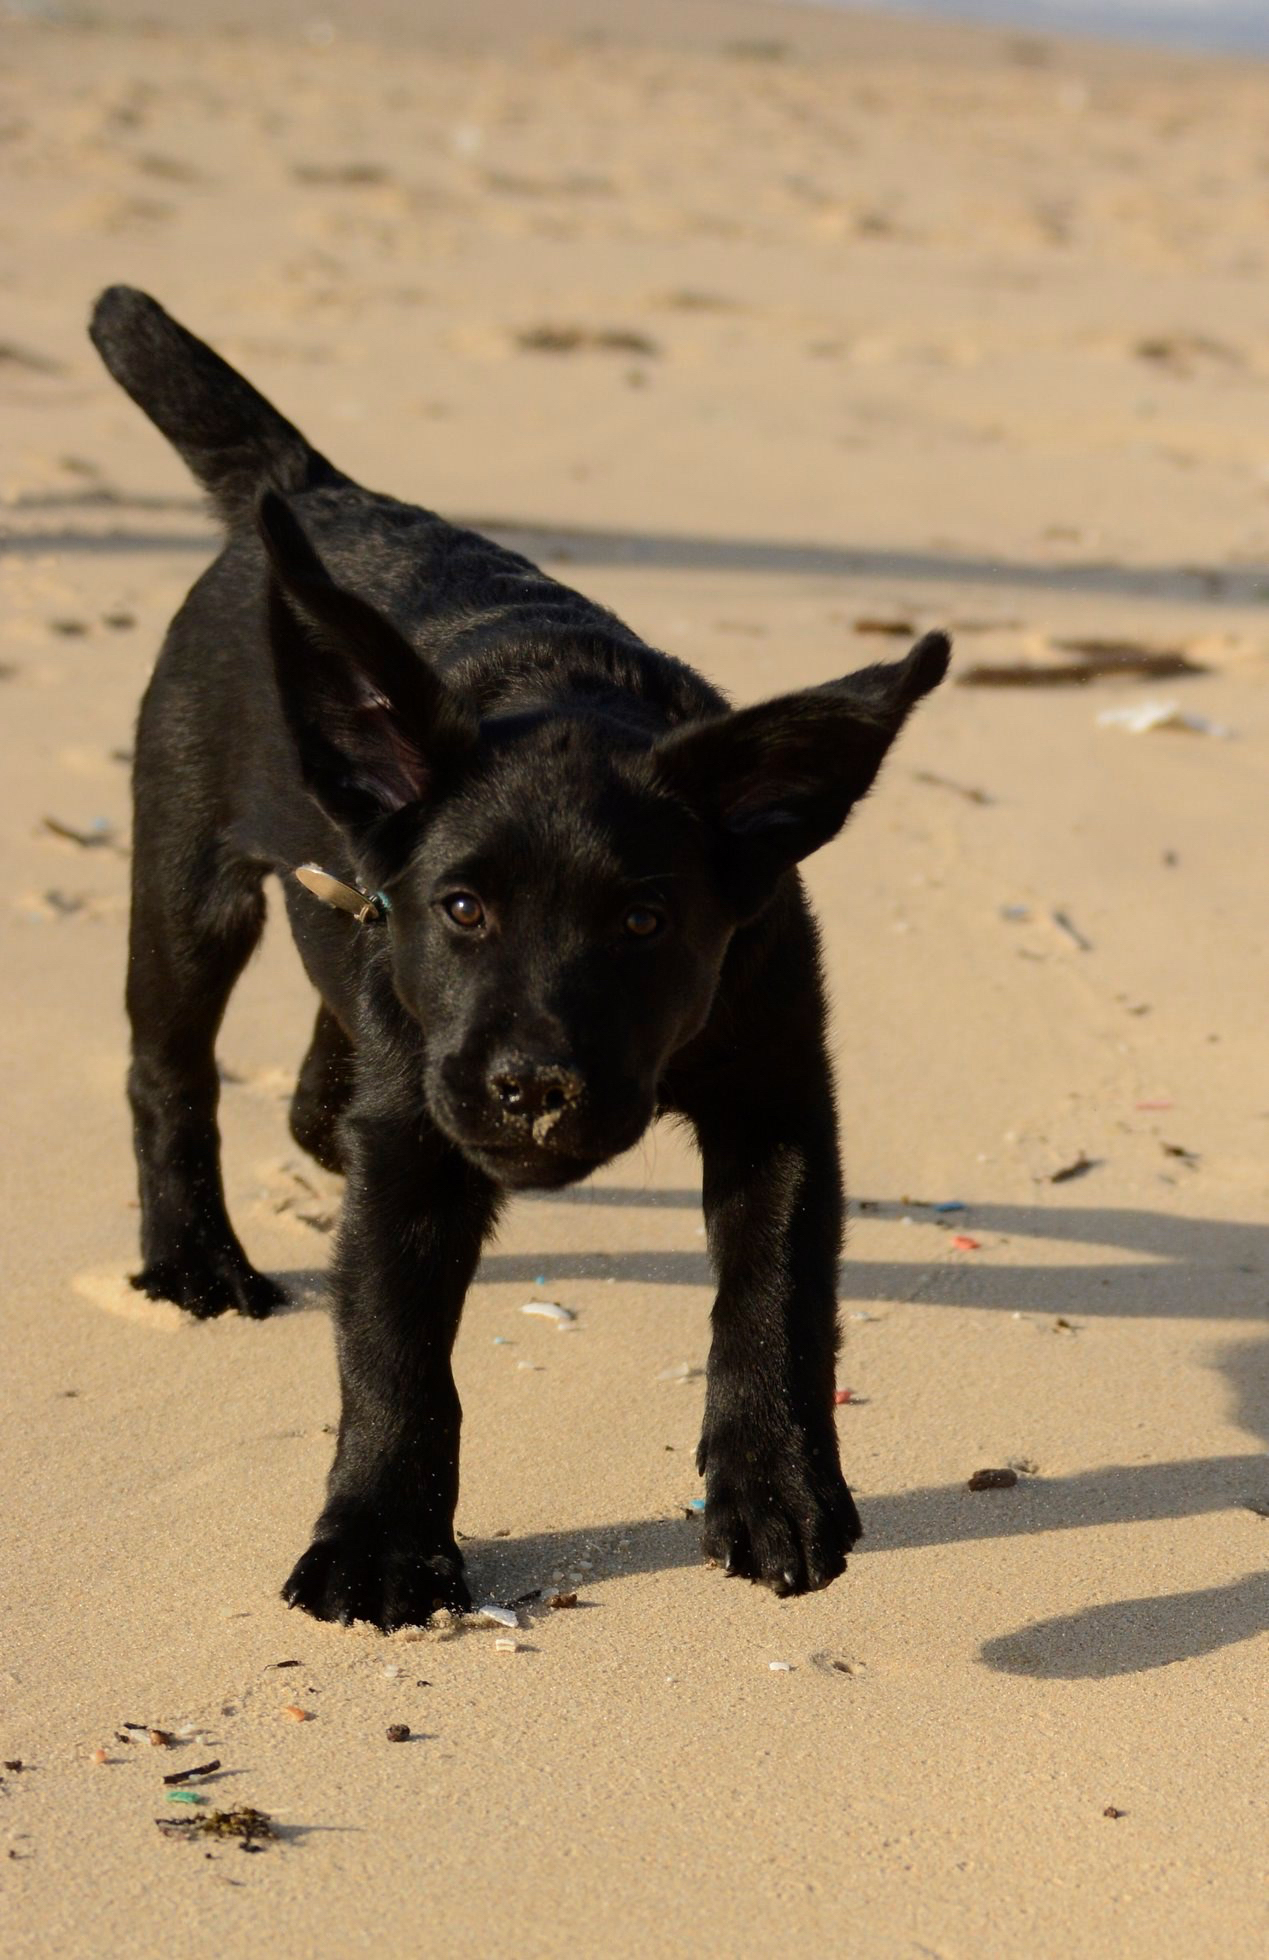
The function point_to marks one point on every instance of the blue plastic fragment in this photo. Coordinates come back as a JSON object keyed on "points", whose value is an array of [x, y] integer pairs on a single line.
{"points": [[953, 1204], [697, 1504]]}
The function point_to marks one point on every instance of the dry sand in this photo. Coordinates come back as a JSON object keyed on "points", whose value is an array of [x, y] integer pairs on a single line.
{"points": [[948, 327]]}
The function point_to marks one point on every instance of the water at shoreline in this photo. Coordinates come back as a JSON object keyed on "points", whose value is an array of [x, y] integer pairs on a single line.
{"points": [[1213, 26]]}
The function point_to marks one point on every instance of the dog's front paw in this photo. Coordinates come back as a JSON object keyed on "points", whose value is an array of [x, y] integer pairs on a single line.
{"points": [[210, 1282], [786, 1520], [360, 1573]]}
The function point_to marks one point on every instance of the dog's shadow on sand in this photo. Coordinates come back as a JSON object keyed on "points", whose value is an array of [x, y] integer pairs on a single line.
{"points": [[1192, 1267], [1127, 1636]]}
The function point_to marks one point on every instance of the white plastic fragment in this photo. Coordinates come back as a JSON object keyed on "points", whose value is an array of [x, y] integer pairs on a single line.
{"points": [[1141, 717], [506, 1646], [780, 1667], [682, 1371], [392, 1672], [550, 1310], [501, 1616]]}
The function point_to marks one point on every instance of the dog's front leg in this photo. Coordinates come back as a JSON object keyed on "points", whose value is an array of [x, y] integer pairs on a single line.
{"points": [[415, 1216], [776, 1508]]}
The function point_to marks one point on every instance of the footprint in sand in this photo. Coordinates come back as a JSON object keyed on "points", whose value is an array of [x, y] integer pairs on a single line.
{"points": [[272, 1083], [302, 1193], [55, 904], [114, 1292]]}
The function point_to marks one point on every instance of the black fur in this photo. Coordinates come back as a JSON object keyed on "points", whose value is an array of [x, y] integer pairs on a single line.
{"points": [[594, 916]]}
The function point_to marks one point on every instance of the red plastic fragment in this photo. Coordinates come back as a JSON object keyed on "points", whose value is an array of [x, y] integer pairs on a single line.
{"points": [[841, 1395], [963, 1243]]}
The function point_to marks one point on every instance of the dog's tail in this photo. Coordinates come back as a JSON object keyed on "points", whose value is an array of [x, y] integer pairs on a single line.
{"points": [[233, 440]]}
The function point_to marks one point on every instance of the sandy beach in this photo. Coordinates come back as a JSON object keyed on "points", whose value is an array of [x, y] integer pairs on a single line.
{"points": [[787, 334]]}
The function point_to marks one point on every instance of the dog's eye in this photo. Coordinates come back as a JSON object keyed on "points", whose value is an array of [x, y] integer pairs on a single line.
{"points": [[465, 909], [642, 922]]}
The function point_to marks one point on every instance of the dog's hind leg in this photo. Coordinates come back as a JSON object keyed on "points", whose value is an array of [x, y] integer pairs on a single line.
{"points": [[323, 1091], [197, 913]]}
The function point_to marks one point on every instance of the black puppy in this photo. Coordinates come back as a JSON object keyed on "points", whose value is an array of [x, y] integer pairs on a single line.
{"points": [[572, 901]]}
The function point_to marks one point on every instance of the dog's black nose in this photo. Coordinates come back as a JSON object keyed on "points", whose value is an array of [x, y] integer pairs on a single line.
{"points": [[527, 1091]]}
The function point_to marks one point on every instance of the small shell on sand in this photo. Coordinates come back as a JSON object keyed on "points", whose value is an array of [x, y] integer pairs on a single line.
{"points": [[501, 1616]]}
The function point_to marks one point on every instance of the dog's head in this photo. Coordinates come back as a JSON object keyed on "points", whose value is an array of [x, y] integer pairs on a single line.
{"points": [[563, 894]]}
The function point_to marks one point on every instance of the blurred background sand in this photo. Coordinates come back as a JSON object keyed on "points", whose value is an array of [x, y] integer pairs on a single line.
{"points": [[786, 333]]}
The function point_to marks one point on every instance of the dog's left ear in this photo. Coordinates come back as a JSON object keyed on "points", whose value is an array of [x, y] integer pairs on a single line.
{"points": [[778, 780], [374, 725]]}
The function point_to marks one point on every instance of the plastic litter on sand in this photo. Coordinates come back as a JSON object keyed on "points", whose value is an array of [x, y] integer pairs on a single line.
{"points": [[506, 1646], [550, 1310], [1142, 717], [780, 1667], [682, 1371], [962, 1242]]}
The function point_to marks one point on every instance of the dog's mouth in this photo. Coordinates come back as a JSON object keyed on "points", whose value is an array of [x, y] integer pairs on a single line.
{"points": [[527, 1167], [522, 1163]]}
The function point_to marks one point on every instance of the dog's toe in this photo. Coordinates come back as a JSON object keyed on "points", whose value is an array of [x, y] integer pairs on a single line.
{"points": [[169, 1281]]}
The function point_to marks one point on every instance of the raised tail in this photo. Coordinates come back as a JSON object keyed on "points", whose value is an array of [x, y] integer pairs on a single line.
{"points": [[233, 440]]}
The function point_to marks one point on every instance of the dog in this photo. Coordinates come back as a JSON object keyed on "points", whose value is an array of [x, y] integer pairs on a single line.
{"points": [[561, 899]]}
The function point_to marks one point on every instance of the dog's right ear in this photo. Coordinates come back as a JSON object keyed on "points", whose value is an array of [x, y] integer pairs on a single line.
{"points": [[373, 724]]}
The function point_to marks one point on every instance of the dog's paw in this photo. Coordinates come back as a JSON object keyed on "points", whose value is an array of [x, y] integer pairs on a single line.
{"points": [[787, 1524], [209, 1284], [357, 1574]]}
